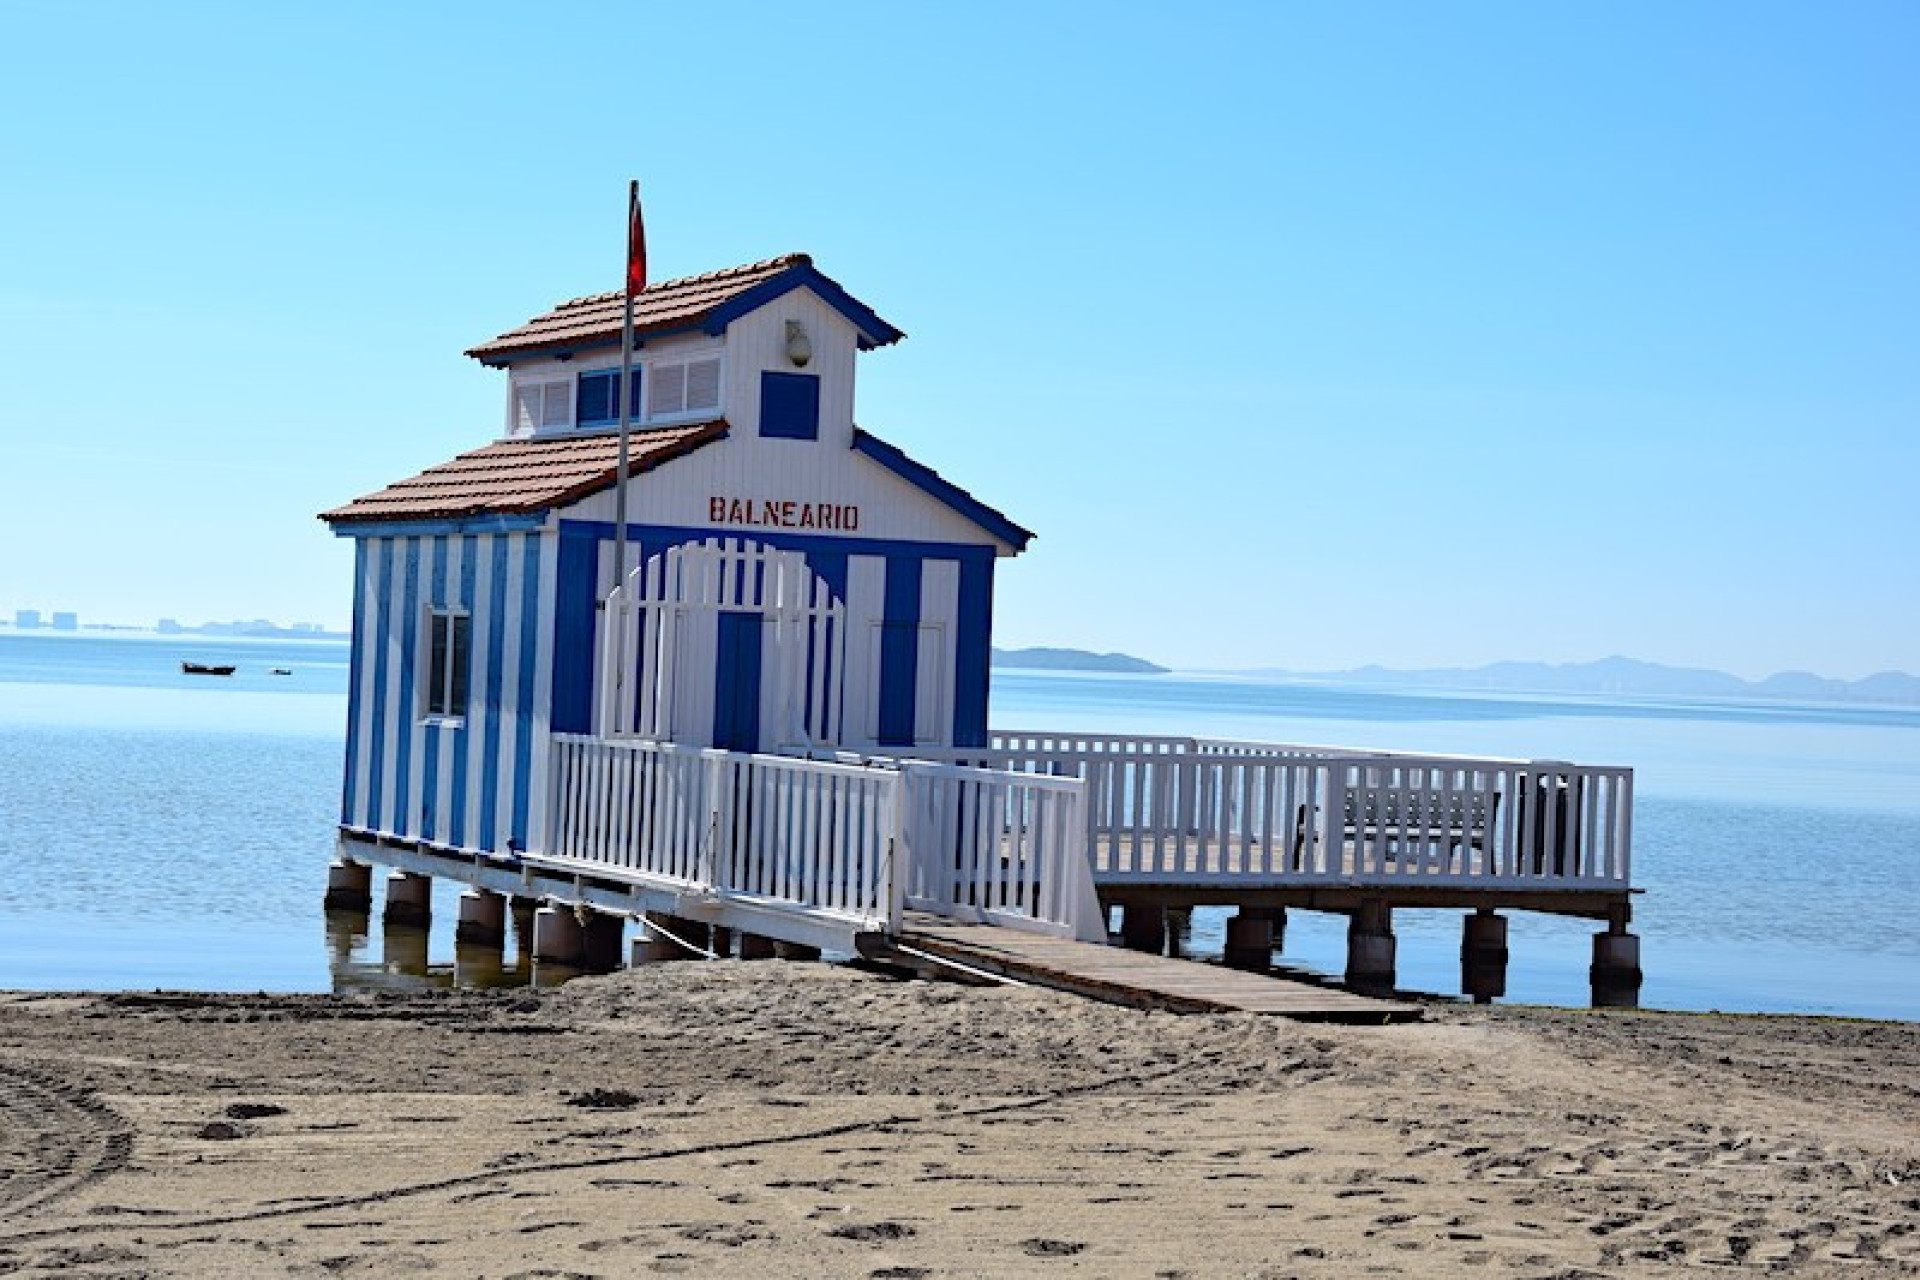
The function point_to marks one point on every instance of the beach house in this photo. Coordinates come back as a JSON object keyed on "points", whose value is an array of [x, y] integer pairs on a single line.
{"points": [[794, 583], [747, 690]]}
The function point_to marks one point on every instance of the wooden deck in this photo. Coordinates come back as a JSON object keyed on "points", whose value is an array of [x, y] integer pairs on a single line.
{"points": [[1134, 978]]}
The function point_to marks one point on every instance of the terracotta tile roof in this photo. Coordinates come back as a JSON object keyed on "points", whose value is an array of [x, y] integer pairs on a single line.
{"points": [[514, 477], [670, 305]]}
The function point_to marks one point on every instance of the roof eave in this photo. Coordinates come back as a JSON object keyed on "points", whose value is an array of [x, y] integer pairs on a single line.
{"points": [[937, 486]]}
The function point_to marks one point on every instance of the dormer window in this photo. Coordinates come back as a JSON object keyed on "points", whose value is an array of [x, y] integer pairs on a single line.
{"points": [[664, 389], [598, 401], [543, 406], [684, 386]]}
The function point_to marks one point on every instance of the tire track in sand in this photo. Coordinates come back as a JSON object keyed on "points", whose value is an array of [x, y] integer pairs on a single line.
{"points": [[54, 1140]]}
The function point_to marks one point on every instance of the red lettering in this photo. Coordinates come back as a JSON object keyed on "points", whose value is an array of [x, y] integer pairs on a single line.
{"points": [[786, 514], [716, 510]]}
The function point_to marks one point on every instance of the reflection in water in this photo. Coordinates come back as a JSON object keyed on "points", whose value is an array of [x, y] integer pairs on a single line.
{"points": [[403, 962], [477, 966]]}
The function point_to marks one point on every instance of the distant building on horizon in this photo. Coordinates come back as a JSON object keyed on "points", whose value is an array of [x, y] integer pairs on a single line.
{"points": [[27, 619], [66, 621]]}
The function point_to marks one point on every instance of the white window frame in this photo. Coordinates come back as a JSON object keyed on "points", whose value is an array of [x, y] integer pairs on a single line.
{"points": [[567, 386], [548, 385], [445, 682], [683, 361]]}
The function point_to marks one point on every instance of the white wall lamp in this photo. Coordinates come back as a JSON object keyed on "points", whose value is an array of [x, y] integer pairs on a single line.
{"points": [[799, 346]]}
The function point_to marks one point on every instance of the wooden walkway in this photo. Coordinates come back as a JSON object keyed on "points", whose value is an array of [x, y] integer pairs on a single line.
{"points": [[1134, 978]]}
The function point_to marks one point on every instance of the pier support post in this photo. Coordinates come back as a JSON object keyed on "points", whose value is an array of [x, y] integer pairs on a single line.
{"points": [[754, 946], [600, 938], [1483, 955], [403, 949], [1143, 927], [558, 937], [796, 951], [1370, 948], [409, 900], [1249, 940], [1616, 972], [349, 886], [1276, 918], [1179, 931], [721, 943], [483, 919]]}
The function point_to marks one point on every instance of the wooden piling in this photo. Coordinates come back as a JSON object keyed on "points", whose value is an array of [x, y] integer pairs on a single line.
{"points": [[483, 919], [409, 900], [1371, 947], [349, 886]]}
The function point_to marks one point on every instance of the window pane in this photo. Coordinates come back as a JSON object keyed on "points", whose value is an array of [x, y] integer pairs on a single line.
{"points": [[596, 400], [457, 697], [634, 403], [436, 664]]}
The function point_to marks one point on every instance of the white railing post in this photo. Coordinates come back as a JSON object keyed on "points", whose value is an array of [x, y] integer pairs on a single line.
{"points": [[896, 801]]}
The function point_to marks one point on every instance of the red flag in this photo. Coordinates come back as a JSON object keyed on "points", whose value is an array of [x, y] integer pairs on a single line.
{"points": [[636, 244]]}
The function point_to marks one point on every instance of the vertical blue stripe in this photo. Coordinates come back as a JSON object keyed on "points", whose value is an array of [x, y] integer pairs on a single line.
{"points": [[899, 651], [973, 651], [736, 694], [523, 729], [430, 775], [577, 592], [494, 697], [831, 566], [356, 679], [382, 631], [403, 801], [463, 736]]}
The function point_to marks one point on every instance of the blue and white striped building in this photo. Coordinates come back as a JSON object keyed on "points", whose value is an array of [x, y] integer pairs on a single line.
{"points": [[792, 583]]}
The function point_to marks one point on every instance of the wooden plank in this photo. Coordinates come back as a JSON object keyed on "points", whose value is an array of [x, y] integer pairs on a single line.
{"points": [[1140, 980]]}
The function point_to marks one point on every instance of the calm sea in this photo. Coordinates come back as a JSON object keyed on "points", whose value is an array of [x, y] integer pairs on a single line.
{"points": [[165, 830]]}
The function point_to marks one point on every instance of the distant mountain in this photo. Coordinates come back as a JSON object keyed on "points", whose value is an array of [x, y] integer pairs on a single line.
{"points": [[1629, 677], [1072, 660]]}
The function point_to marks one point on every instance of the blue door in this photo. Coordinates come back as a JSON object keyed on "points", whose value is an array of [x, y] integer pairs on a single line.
{"points": [[736, 683]]}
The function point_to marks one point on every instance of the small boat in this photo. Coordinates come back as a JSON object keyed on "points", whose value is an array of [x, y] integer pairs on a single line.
{"points": [[281, 671], [203, 669]]}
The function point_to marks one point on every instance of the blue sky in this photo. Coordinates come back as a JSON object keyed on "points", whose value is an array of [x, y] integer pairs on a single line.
{"points": [[1305, 336]]}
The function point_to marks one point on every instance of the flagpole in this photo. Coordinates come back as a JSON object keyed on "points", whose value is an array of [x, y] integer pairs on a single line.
{"points": [[636, 258], [617, 630]]}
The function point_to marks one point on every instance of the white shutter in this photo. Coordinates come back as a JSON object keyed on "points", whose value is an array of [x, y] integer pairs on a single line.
{"points": [[703, 384], [558, 409], [526, 408], [669, 393]]}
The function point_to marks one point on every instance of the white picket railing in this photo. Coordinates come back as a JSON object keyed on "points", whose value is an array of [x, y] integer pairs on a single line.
{"points": [[1001, 848], [1192, 811], [814, 836], [845, 841]]}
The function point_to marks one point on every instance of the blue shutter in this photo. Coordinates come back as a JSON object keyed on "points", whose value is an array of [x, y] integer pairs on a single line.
{"points": [[790, 406]]}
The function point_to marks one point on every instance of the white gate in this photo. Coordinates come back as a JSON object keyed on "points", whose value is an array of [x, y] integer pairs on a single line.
{"points": [[659, 655]]}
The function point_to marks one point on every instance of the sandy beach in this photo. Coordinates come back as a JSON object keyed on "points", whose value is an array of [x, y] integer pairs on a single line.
{"points": [[776, 1119]]}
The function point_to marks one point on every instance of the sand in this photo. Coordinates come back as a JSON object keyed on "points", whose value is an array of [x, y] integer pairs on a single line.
{"points": [[777, 1119]]}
